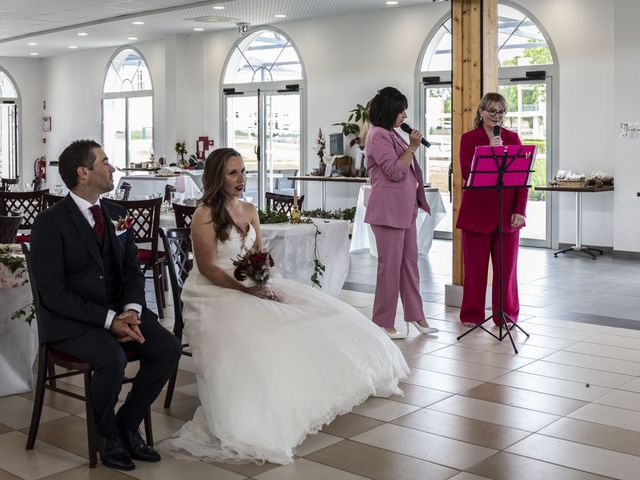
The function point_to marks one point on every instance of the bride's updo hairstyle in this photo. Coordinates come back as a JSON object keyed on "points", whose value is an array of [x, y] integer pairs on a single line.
{"points": [[214, 196]]}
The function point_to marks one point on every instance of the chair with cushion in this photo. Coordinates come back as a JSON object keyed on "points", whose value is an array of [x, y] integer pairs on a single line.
{"points": [[177, 245], [183, 214], [146, 215], [6, 184], [30, 204], [9, 227], [282, 203], [47, 379]]}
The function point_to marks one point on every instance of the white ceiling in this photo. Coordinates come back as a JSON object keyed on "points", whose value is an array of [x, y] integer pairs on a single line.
{"points": [[55, 24]]}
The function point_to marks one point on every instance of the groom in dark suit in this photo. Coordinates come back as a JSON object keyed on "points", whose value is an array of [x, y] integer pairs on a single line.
{"points": [[92, 296]]}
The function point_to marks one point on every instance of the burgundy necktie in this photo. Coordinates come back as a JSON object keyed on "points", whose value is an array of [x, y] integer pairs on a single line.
{"points": [[98, 216]]}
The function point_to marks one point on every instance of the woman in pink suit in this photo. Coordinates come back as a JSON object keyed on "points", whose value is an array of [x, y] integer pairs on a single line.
{"points": [[478, 220], [397, 190]]}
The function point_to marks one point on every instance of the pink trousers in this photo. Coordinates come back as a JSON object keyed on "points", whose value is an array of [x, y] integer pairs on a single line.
{"points": [[476, 248], [397, 273]]}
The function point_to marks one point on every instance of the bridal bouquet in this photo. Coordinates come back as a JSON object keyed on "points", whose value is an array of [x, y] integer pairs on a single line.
{"points": [[254, 265]]}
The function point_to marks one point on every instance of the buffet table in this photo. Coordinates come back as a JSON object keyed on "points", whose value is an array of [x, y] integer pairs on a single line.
{"points": [[363, 238], [145, 186]]}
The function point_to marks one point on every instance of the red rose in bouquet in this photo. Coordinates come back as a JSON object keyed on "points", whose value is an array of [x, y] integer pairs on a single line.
{"points": [[254, 265]]}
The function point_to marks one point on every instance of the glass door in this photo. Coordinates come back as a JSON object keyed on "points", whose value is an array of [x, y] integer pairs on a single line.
{"points": [[8, 139], [264, 126], [528, 115]]}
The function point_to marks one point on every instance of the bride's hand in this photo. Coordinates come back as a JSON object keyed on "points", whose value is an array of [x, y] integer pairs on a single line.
{"points": [[262, 292]]}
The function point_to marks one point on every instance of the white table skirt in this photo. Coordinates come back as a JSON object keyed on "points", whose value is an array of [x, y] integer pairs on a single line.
{"points": [[144, 186], [18, 342], [362, 236], [292, 249]]}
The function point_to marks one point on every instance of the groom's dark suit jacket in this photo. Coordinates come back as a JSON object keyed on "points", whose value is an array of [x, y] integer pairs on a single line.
{"points": [[71, 275]]}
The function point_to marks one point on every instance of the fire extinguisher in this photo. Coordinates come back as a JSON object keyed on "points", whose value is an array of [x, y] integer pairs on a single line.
{"points": [[40, 168]]}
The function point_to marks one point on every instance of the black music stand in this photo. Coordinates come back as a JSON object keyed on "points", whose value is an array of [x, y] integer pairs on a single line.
{"points": [[499, 168]]}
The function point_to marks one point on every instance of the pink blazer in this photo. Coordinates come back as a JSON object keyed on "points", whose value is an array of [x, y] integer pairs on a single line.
{"points": [[396, 190], [479, 208]]}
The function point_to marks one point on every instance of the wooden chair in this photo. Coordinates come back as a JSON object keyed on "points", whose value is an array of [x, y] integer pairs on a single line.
{"points": [[46, 378], [177, 245], [7, 183], [50, 199], [282, 203], [126, 188], [146, 214], [183, 214], [168, 190], [9, 225], [30, 204]]}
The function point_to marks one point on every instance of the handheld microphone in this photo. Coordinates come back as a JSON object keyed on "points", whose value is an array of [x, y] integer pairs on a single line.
{"points": [[496, 131], [406, 128]]}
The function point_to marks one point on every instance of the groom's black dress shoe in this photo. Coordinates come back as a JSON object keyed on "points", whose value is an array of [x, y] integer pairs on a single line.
{"points": [[137, 447], [114, 455]]}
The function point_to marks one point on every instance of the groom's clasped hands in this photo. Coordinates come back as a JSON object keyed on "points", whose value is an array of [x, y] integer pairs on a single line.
{"points": [[126, 327]]}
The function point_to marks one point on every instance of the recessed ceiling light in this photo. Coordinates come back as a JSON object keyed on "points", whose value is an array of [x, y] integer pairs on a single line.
{"points": [[82, 34], [34, 54], [280, 15], [137, 23], [218, 7], [132, 38], [32, 44], [73, 46], [198, 29], [391, 3]]}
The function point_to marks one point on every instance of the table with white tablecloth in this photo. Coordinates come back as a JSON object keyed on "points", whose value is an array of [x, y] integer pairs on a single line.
{"points": [[362, 236], [18, 340], [145, 186]]}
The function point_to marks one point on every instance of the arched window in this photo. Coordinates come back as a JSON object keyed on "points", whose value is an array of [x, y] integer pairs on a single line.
{"points": [[527, 74], [127, 109], [8, 127], [263, 84]]}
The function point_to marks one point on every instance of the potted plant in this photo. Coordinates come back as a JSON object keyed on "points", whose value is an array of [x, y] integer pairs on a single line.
{"points": [[181, 149], [357, 125]]}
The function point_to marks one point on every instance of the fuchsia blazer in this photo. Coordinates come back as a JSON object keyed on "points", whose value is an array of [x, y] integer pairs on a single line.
{"points": [[479, 208], [395, 192]]}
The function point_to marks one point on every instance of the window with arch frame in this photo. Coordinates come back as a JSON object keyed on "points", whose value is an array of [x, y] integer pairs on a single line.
{"points": [[127, 109], [8, 127]]}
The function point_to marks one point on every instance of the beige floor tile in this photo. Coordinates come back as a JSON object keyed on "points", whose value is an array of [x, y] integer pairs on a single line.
{"points": [[553, 386], [357, 299], [596, 363], [547, 341], [578, 456], [595, 434], [68, 433], [15, 412], [519, 397], [505, 466], [4, 475], [383, 409], [576, 374], [247, 469], [378, 464], [426, 446], [557, 332], [631, 386], [617, 353], [412, 347], [346, 426], [456, 367], [61, 402], [506, 415], [189, 389], [316, 442], [307, 470], [440, 381], [182, 406], [419, 396], [621, 340], [501, 360], [607, 415], [85, 473], [186, 364], [489, 344], [621, 399], [164, 426], [461, 428], [468, 476], [171, 468], [4, 429], [43, 460]]}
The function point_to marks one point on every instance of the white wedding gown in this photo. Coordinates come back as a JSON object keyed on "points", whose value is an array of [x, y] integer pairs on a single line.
{"points": [[271, 373]]}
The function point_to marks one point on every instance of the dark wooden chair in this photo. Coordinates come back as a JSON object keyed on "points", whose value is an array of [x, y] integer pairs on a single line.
{"points": [[146, 226], [177, 246], [282, 203], [183, 214], [126, 189], [50, 199], [168, 191], [6, 184], [30, 204], [9, 225], [46, 378]]}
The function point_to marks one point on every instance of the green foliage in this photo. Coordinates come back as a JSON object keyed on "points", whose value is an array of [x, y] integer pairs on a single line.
{"points": [[268, 216], [357, 118], [28, 312], [346, 214], [9, 259]]}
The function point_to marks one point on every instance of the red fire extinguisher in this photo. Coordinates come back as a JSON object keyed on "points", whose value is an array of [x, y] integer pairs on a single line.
{"points": [[40, 168]]}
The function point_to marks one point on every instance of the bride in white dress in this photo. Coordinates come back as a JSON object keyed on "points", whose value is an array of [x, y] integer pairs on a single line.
{"points": [[272, 366]]}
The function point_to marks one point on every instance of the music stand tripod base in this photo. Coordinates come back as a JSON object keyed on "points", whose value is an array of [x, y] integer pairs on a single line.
{"points": [[576, 249]]}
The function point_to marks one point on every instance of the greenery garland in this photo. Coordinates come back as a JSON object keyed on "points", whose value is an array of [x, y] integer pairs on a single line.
{"points": [[14, 262]]}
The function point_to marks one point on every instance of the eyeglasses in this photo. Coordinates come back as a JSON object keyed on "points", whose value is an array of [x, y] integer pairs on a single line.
{"points": [[493, 112]]}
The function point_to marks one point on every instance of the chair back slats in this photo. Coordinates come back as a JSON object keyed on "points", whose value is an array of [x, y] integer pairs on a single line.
{"points": [[280, 203], [30, 204], [177, 247], [6, 183], [50, 199], [9, 225], [183, 214], [146, 215]]}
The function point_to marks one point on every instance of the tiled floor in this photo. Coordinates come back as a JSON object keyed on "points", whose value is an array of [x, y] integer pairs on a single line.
{"points": [[566, 407]]}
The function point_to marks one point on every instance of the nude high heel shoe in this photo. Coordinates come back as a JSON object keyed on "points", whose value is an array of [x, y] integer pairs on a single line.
{"points": [[421, 329]]}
